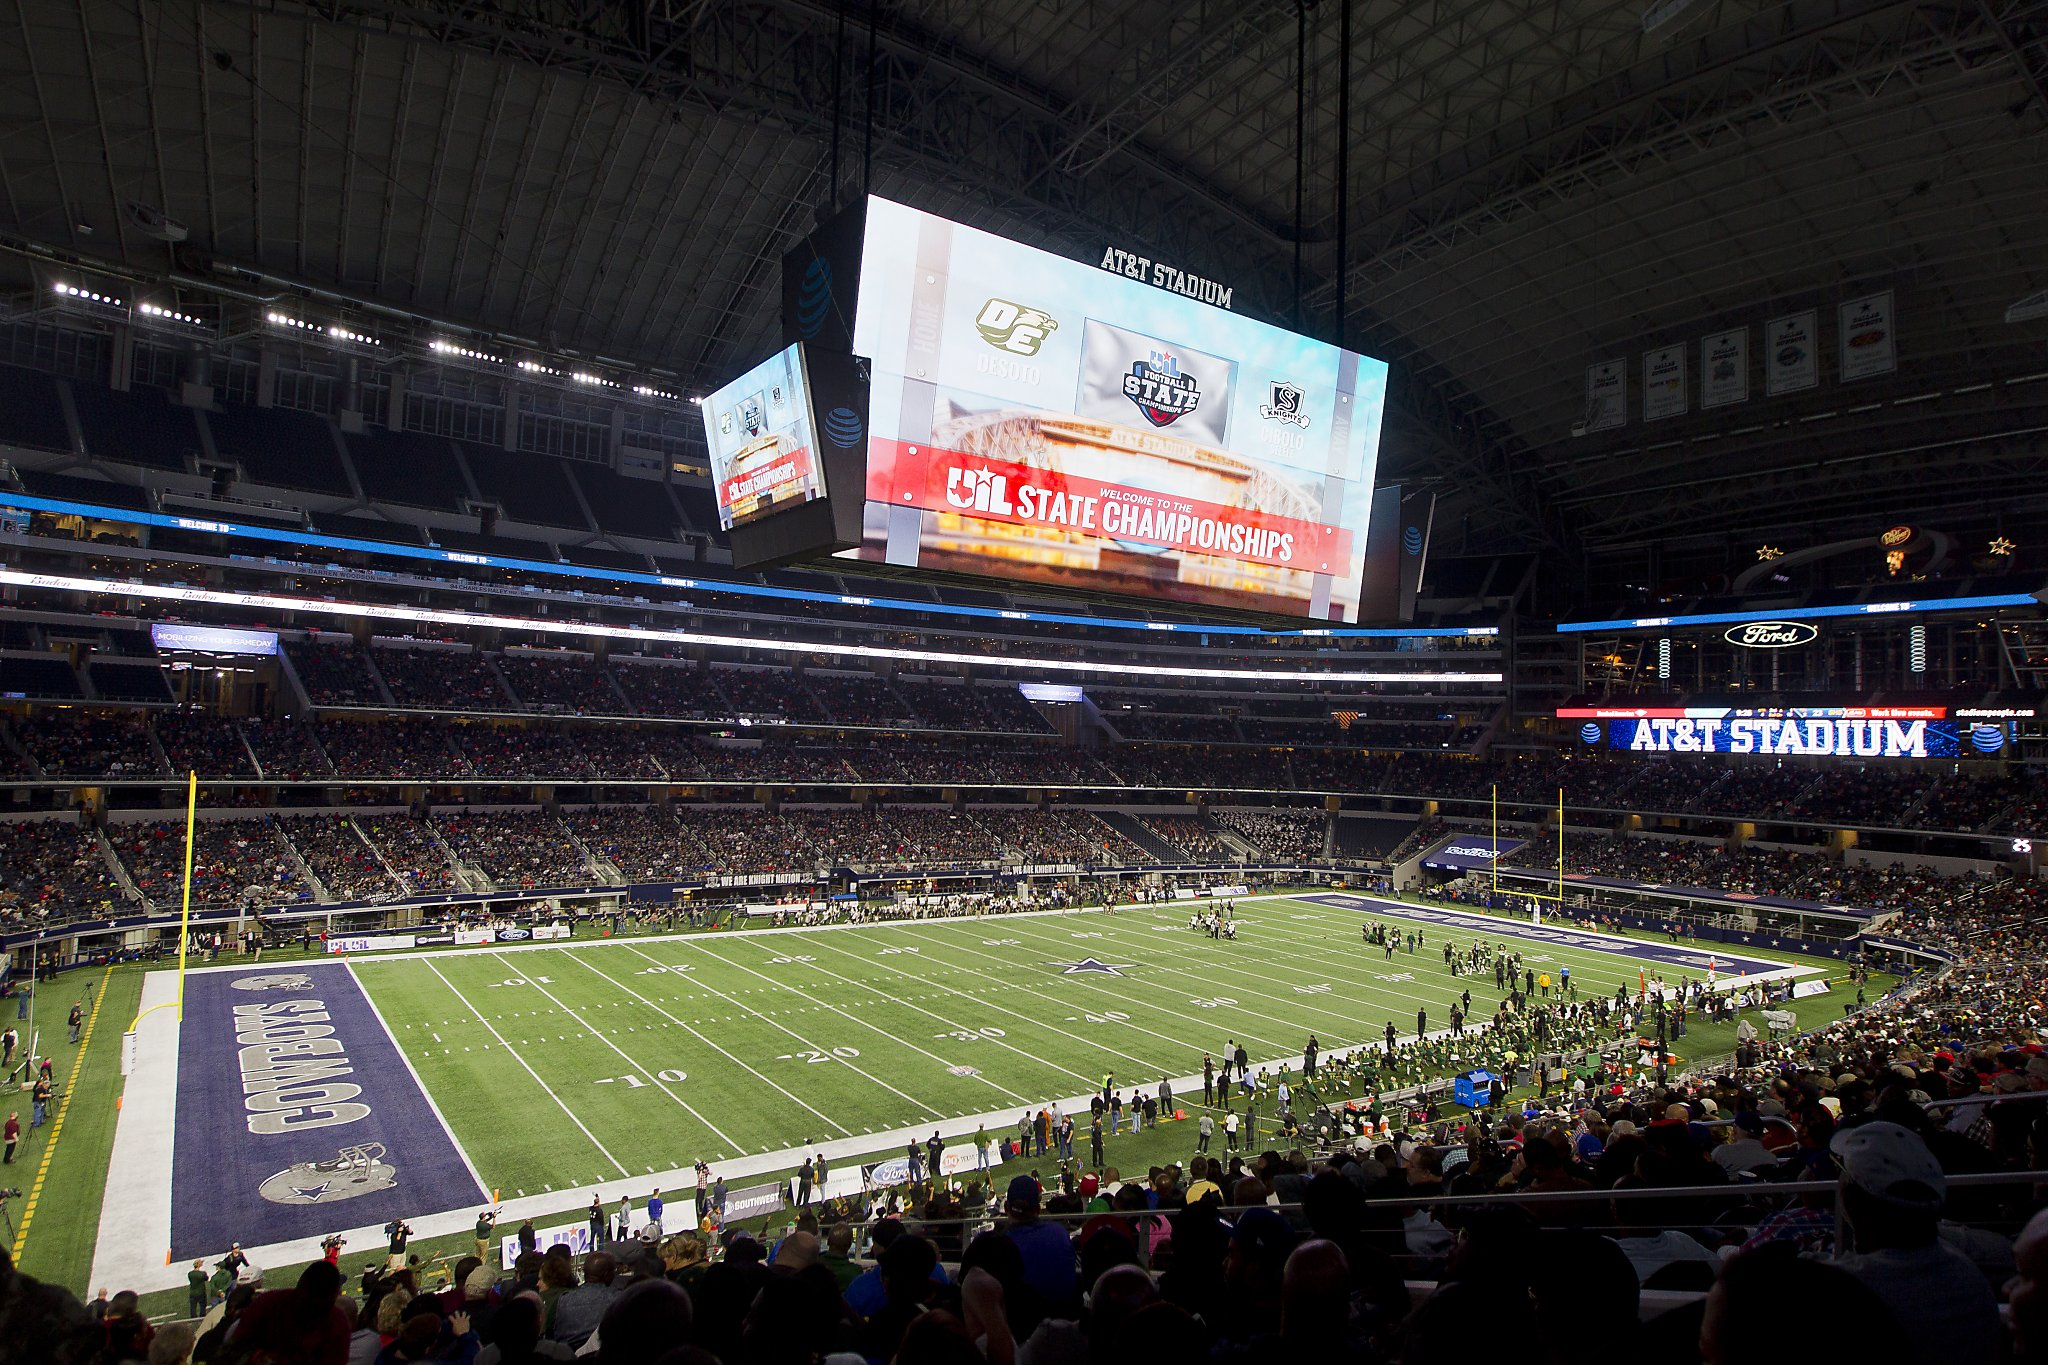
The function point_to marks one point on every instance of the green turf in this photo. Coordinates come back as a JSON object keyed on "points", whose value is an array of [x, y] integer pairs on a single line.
{"points": [[515, 1045], [785, 1040], [58, 1242]]}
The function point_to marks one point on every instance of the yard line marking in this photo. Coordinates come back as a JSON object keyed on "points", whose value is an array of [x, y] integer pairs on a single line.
{"points": [[652, 1073], [605, 1151], [578, 958], [1002, 1043], [425, 1094], [871, 1027], [799, 1037]]}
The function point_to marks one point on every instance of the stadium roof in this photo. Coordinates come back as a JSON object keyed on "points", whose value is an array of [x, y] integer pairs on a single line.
{"points": [[1533, 188]]}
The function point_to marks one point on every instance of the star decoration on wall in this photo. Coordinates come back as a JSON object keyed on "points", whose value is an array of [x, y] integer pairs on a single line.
{"points": [[2003, 547], [1769, 553]]}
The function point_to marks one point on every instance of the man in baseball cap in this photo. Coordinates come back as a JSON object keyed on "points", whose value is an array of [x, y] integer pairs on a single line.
{"points": [[1892, 1195]]}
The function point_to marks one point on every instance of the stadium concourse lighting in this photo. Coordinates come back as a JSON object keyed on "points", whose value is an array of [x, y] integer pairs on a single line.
{"points": [[414, 615]]}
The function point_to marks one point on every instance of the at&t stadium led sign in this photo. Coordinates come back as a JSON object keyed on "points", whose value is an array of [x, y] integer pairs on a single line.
{"points": [[1838, 732]]}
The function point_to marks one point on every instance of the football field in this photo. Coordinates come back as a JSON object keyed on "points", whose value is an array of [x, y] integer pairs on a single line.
{"points": [[318, 1097]]}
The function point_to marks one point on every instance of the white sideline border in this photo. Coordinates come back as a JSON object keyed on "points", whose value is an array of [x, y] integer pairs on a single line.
{"points": [[144, 1147]]}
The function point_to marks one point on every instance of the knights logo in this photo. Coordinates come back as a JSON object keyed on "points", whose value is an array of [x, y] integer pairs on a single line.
{"points": [[1284, 404], [351, 1172], [1160, 390], [274, 981]]}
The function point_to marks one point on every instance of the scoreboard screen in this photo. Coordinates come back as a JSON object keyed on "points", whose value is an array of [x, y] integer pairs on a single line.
{"points": [[763, 448], [1040, 420]]}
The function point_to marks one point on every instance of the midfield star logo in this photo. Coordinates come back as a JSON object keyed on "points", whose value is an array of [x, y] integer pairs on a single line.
{"points": [[1285, 404], [1089, 964], [1014, 327], [1160, 390]]}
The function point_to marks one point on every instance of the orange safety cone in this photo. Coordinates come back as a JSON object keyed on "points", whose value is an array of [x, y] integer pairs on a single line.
{"points": [[1180, 1113]]}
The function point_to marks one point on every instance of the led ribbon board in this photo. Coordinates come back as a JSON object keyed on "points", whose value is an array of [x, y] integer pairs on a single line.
{"points": [[1040, 420]]}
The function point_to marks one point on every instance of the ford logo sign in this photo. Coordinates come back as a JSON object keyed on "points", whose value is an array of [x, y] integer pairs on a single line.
{"points": [[1770, 634]]}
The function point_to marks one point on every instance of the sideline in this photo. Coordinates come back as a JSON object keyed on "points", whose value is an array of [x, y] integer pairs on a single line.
{"points": [[35, 1191]]}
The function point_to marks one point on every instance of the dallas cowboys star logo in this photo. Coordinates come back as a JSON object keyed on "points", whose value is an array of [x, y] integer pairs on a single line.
{"points": [[311, 1192], [1089, 964]]}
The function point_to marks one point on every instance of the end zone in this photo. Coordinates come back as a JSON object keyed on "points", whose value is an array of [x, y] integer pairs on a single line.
{"points": [[278, 1110]]}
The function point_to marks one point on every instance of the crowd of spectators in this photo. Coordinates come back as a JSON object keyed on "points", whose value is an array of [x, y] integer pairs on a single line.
{"points": [[767, 692], [569, 684], [1289, 835], [87, 744], [442, 679], [235, 861], [680, 690], [334, 674], [208, 745], [645, 844], [337, 856], [521, 849], [414, 855], [857, 698], [52, 870], [287, 750], [1188, 834]]}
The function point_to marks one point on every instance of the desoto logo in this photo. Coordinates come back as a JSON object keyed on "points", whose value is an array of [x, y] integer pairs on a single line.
{"points": [[978, 490], [1013, 327], [1771, 634]]}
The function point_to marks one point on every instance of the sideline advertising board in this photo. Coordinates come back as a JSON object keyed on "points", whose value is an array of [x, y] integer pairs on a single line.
{"points": [[1041, 420]]}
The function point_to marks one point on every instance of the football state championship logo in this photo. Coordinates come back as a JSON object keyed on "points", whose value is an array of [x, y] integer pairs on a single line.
{"points": [[351, 1172], [1160, 390], [1284, 404]]}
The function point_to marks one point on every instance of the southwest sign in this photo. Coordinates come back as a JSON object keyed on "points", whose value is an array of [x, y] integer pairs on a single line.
{"points": [[1770, 634]]}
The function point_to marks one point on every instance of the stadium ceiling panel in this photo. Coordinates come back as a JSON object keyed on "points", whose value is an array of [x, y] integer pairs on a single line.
{"points": [[1535, 187]]}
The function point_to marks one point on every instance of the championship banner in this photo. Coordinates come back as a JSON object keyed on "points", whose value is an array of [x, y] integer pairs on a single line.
{"points": [[1869, 345], [1606, 395], [1724, 368], [1664, 383], [1183, 444], [955, 482], [1791, 354]]}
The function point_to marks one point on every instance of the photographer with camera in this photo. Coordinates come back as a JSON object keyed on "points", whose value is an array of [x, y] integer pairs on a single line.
{"points": [[330, 1248], [397, 1233], [486, 1219]]}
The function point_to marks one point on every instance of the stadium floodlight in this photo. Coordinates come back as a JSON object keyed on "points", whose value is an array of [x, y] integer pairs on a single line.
{"points": [[170, 317], [452, 351], [73, 293], [355, 338]]}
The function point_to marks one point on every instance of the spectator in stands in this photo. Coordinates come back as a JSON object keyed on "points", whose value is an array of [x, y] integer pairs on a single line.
{"points": [[1893, 1193], [1047, 1250]]}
